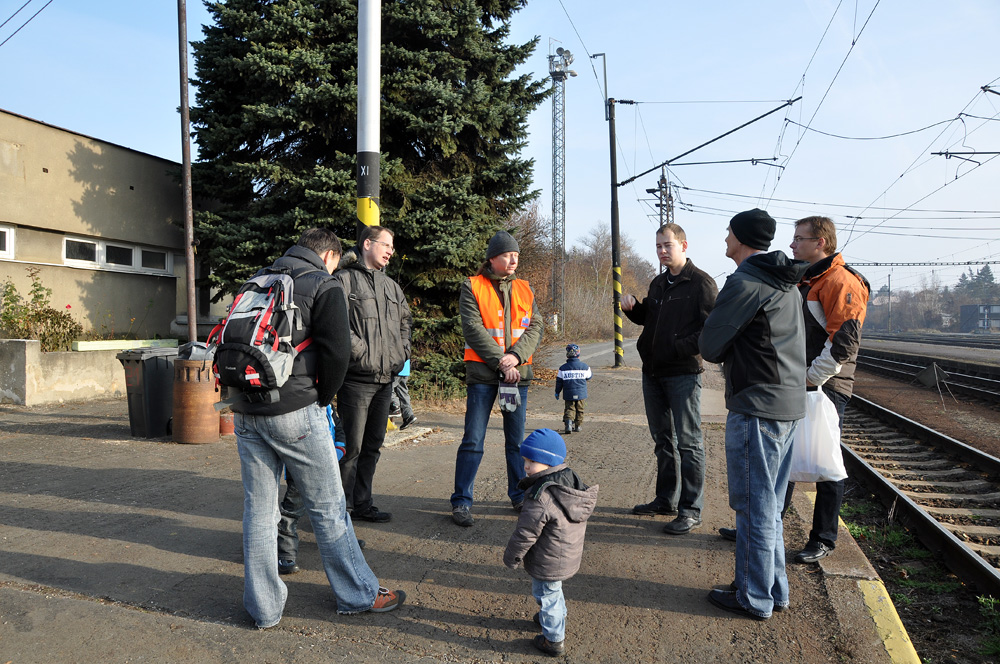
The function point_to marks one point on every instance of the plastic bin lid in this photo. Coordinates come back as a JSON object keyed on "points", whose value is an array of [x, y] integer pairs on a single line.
{"points": [[144, 353]]}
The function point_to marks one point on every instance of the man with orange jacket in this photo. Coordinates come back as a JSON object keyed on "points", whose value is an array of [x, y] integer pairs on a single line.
{"points": [[502, 329], [835, 300]]}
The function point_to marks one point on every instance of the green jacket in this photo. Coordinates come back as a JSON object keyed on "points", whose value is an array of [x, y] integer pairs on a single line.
{"points": [[478, 338]]}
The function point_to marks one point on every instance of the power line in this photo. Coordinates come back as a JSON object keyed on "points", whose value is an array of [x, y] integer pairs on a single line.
{"points": [[870, 138], [26, 22], [15, 13], [843, 205]]}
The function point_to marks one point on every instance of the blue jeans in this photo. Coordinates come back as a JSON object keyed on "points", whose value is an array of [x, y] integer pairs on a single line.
{"points": [[757, 465], [478, 404], [673, 412], [300, 441], [552, 614], [829, 495]]}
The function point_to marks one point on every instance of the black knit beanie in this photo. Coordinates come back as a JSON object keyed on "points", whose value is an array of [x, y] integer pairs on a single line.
{"points": [[754, 228], [501, 243]]}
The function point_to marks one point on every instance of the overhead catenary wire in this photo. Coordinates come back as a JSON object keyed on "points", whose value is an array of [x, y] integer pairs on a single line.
{"points": [[26, 22]]}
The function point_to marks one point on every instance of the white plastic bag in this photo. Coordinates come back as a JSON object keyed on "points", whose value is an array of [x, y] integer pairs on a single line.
{"points": [[816, 455]]}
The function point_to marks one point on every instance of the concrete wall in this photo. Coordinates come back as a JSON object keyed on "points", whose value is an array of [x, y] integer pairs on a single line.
{"points": [[55, 184], [30, 377]]}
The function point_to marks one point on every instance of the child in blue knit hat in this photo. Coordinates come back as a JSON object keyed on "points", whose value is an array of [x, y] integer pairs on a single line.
{"points": [[550, 531], [572, 382]]}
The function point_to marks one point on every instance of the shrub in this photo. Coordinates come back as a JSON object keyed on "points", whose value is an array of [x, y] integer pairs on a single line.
{"points": [[34, 318]]}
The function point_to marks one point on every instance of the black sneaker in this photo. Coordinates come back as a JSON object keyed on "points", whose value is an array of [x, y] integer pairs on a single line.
{"points": [[372, 514], [654, 508], [548, 647], [461, 516], [728, 534], [412, 419], [682, 525], [288, 567], [813, 552]]}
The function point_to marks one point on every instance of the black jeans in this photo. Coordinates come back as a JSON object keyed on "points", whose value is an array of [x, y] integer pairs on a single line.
{"points": [[829, 495], [364, 411]]}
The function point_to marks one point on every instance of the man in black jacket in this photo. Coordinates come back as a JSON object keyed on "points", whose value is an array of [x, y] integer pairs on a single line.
{"points": [[292, 431], [380, 323], [672, 316]]}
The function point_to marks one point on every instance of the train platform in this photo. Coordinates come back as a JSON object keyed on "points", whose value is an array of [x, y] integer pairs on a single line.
{"points": [[117, 549]]}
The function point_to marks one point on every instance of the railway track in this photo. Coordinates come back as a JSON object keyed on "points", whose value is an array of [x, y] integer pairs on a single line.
{"points": [[947, 492], [989, 341], [978, 381]]}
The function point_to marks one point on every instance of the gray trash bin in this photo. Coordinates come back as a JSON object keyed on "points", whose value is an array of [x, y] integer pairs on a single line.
{"points": [[149, 386]]}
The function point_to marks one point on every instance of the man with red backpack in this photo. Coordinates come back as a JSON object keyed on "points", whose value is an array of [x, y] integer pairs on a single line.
{"points": [[290, 430]]}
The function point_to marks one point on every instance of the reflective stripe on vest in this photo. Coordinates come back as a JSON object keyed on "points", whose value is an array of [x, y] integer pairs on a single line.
{"points": [[491, 309]]}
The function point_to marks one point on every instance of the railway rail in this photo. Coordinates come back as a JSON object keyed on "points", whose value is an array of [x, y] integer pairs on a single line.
{"points": [[990, 341], [947, 492], [979, 381]]}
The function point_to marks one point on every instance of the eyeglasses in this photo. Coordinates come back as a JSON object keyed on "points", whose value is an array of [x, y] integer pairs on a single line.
{"points": [[798, 238], [388, 246]]}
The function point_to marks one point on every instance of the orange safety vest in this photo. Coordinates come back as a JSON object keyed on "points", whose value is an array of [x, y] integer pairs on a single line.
{"points": [[491, 309]]}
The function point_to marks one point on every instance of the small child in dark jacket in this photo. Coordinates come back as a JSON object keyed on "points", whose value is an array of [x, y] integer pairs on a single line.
{"points": [[572, 382], [550, 531]]}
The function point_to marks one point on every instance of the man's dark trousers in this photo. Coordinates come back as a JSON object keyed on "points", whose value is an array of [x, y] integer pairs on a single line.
{"points": [[364, 411]]}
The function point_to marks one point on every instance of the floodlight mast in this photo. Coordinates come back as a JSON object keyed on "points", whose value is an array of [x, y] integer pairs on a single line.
{"points": [[559, 71]]}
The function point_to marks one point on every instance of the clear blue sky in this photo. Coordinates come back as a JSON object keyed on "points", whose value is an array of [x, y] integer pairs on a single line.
{"points": [[109, 69]]}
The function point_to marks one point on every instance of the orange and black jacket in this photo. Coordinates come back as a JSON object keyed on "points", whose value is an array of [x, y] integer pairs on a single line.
{"points": [[834, 300]]}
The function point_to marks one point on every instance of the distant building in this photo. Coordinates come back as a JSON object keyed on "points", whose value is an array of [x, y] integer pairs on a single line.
{"points": [[980, 318], [102, 223]]}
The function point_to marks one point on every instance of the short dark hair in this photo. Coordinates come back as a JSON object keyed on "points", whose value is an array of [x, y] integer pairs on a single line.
{"points": [[822, 227], [372, 232], [673, 228], [321, 240]]}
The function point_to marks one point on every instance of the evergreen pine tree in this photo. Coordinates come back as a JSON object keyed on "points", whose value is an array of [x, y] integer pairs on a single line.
{"points": [[276, 123]]}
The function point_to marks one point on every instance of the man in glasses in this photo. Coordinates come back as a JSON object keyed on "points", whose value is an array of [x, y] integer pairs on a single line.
{"points": [[380, 343], [835, 300]]}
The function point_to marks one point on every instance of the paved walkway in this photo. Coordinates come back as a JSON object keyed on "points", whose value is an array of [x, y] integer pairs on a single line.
{"points": [[114, 549]]}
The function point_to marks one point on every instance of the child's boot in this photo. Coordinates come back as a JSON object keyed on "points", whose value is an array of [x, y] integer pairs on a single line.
{"points": [[576, 426], [569, 426]]}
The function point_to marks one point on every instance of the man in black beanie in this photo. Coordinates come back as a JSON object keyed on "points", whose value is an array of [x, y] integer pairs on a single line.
{"points": [[756, 331]]}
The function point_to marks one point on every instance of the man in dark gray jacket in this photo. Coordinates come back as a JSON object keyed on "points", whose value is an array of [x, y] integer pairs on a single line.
{"points": [[756, 330], [380, 343]]}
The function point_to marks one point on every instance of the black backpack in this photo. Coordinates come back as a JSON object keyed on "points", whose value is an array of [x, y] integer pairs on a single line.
{"points": [[253, 345]]}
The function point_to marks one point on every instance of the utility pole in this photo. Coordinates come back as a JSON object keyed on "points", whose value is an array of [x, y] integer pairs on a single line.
{"points": [[559, 71], [192, 308], [666, 203], [369, 60], [616, 262]]}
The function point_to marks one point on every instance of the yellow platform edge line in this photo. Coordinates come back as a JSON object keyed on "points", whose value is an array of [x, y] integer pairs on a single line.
{"points": [[887, 623]]}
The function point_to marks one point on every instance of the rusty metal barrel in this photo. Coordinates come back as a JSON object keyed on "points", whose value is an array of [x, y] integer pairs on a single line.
{"points": [[195, 393]]}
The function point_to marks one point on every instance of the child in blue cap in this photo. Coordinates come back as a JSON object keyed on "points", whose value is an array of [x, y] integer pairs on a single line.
{"points": [[572, 382], [550, 531]]}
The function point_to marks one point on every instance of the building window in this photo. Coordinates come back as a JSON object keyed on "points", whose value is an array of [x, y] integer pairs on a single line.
{"points": [[115, 256], [6, 242], [119, 256], [81, 251], [154, 260]]}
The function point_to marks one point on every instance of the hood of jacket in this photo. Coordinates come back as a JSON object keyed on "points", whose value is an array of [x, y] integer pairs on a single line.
{"points": [[775, 269], [569, 493]]}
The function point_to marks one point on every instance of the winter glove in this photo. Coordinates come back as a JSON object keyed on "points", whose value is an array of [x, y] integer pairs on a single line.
{"points": [[509, 397]]}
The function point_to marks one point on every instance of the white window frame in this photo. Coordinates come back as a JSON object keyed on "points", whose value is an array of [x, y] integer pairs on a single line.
{"points": [[101, 262], [8, 232]]}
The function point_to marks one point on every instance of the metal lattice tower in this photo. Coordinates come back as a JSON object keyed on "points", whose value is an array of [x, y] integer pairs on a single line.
{"points": [[559, 71]]}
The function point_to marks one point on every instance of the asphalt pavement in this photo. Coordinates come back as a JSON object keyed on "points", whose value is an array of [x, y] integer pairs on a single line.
{"points": [[116, 549]]}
